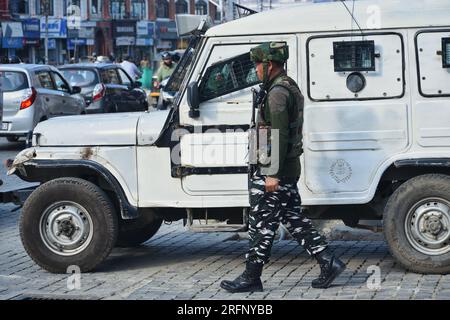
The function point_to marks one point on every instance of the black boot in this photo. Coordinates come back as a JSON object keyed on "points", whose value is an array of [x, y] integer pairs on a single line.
{"points": [[330, 267], [249, 281]]}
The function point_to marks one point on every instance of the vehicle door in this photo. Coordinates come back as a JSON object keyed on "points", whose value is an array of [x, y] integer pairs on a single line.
{"points": [[66, 104], [133, 98], [214, 150], [115, 91], [356, 110], [47, 93], [431, 103]]}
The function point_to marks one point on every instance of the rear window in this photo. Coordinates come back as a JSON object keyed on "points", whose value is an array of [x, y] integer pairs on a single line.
{"points": [[11, 81], [80, 77]]}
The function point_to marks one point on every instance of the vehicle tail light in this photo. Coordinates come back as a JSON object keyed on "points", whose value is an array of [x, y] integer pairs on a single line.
{"points": [[29, 98], [99, 92]]}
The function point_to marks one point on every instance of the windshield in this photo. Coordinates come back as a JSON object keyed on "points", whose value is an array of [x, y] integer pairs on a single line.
{"points": [[11, 81], [175, 81], [80, 77]]}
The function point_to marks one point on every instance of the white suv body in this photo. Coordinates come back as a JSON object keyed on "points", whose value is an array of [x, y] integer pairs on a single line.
{"points": [[376, 134]]}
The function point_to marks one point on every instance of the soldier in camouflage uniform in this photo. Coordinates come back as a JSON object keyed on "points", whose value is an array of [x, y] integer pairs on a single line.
{"points": [[274, 195]]}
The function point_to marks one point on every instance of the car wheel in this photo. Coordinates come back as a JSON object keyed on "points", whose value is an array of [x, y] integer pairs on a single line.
{"points": [[417, 224], [68, 222]]}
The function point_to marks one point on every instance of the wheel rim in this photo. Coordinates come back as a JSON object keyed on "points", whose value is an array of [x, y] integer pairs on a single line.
{"points": [[427, 226], [66, 228]]}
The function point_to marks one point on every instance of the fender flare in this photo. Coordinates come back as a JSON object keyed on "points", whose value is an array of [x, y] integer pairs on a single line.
{"points": [[127, 211], [423, 162]]}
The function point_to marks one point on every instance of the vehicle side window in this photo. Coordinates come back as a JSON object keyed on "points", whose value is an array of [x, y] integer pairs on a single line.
{"points": [[61, 84], [124, 77], [342, 68], [228, 76], [433, 62], [45, 80], [110, 76]]}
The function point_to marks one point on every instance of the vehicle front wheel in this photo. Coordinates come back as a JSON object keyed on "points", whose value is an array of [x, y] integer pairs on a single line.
{"points": [[68, 222], [417, 224]]}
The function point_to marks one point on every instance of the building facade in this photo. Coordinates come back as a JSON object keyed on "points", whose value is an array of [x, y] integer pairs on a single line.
{"points": [[78, 28]]}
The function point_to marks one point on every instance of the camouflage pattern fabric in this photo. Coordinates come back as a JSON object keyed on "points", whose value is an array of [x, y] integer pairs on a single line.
{"points": [[268, 210], [270, 51]]}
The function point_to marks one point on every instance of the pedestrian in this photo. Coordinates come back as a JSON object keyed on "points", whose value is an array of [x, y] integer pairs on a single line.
{"points": [[146, 74], [167, 67], [274, 195], [130, 68]]}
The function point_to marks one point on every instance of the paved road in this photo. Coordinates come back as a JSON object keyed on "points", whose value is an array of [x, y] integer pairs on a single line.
{"points": [[177, 264]]}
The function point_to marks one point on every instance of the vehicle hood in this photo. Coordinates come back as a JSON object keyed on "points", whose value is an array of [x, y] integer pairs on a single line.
{"points": [[117, 129]]}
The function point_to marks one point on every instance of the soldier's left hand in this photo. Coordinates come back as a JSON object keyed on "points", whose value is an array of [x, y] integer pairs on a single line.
{"points": [[272, 184]]}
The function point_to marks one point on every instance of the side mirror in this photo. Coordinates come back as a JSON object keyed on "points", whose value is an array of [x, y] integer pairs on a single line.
{"points": [[76, 90], [136, 84], [193, 99]]}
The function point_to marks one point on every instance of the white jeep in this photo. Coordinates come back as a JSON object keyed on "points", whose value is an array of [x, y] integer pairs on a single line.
{"points": [[376, 138]]}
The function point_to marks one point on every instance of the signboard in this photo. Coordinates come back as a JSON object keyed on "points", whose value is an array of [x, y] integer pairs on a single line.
{"points": [[78, 42], [125, 41], [144, 42], [31, 28], [145, 29], [52, 44], [12, 43], [57, 28], [12, 30], [166, 30], [12, 33], [124, 29], [164, 44]]}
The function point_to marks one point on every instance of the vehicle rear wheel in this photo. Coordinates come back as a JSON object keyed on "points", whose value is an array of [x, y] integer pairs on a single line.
{"points": [[135, 232], [68, 222], [417, 224], [12, 138]]}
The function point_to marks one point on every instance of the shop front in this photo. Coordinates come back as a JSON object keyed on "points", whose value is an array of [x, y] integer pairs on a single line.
{"points": [[32, 34], [166, 35], [145, 40], [57, 35], [124, 33], [81, 40]]}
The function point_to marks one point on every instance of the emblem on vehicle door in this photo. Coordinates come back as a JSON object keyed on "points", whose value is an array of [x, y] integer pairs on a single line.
{"points": [[341, 171]]}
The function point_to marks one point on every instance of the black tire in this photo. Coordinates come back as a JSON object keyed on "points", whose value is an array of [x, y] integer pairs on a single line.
{"points": [[99, 211], [135, 232], [411, 196], [12, 138]]}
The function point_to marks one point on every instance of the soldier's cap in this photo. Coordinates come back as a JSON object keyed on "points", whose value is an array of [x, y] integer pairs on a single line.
{"points": [[270, 51]]}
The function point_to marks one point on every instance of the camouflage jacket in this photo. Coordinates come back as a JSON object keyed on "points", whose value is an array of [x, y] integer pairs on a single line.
{"points": [[282, 110]]}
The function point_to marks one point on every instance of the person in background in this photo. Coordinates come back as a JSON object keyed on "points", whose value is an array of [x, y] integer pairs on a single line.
{"points": [[131, 68], [167, 67], [146, 74]]}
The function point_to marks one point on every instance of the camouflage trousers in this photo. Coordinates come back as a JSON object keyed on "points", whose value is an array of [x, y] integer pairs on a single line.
{"points": [[268, 210]]}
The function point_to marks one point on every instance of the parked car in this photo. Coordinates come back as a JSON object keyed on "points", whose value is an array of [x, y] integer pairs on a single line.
{"points": [[106, 87], [34, 93]]}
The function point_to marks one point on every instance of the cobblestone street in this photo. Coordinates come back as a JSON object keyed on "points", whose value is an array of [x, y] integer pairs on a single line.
{"points": [[178, 264]]}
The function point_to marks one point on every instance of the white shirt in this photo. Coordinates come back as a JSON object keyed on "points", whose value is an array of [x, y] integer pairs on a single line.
{"points": [[131, 69]]}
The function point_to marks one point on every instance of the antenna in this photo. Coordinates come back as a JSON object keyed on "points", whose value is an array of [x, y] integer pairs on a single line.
{"points": [[353, 16]]}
